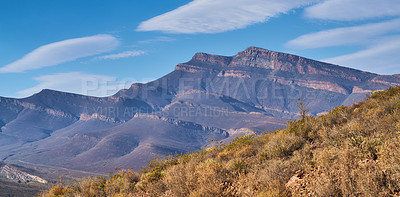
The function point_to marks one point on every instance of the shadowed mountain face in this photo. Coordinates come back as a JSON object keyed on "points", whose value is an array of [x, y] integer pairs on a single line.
{"points": [[209, 97]]}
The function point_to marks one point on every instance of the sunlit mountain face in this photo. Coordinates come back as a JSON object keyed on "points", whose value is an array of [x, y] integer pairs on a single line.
{"points": [[209, 97]]}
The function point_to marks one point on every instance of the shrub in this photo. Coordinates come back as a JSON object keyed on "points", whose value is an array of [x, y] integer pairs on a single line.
{"points": [[351, 151]]}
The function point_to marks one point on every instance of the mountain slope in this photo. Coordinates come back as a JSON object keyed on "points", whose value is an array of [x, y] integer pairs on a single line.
{"points": [[17, 181], [129, 145], [351, 151], [258, 80], [255, 90], [12, 173]]}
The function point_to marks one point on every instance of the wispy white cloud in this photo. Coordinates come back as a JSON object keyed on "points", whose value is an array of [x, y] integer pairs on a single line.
{"points": [[382, 58], [79, 83], [211, 16], [362, 34], [347, 10], [157, 39], [381, 41], [124, 54], [63, 51]]}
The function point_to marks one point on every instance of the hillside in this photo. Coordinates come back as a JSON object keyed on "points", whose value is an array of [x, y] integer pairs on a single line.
{"points": [[18, 181], [208, 97], [351, 151], [12, 173], [12, 188]]}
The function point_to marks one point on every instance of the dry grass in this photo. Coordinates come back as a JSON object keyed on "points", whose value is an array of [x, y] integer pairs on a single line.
{"points": [[351, 151]]}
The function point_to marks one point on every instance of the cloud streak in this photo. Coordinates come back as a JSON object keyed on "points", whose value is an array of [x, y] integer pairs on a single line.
{"points": [[63, 51], [382, 58], [345, 36], [347, 10], [124, 54], [79, 83], [210, 16], [381, 41], [157, 39]]}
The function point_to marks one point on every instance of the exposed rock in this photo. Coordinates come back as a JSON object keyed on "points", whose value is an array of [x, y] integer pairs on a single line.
{"points": [[360, 90], [86, 117], [12, 173], [255, 90], [298, 184]]}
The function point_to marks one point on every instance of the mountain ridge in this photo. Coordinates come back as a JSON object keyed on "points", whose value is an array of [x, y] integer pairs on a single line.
{"points": [[253, 91], [349, 151], [260, 52]]}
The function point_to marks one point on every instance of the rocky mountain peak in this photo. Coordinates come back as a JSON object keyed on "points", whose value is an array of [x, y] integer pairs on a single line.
{"points": [[209, 59], [252, 57], [263, 58], [256, 51]]}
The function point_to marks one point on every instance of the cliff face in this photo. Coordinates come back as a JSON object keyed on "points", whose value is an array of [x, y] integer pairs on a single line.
{"points": [[264, 80], [256, 89], [254, 57]]}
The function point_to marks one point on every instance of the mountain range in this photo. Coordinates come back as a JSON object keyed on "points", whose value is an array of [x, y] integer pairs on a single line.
{"points": [[209, 97]]}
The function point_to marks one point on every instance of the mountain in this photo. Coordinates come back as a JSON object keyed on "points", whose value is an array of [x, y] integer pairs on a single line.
{"points": [[209, 97], [350, 151]]}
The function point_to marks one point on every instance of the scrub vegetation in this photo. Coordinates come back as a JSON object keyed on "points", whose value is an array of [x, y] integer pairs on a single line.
{"points": [[350, 151]]}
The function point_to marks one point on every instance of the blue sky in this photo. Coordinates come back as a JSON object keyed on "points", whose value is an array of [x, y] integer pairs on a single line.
{"points": [[95, 47]]}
